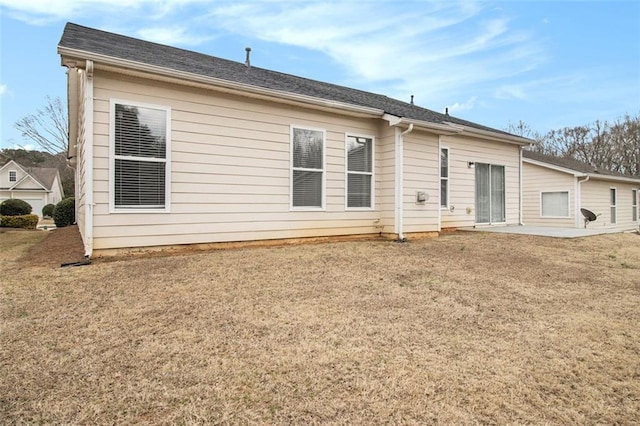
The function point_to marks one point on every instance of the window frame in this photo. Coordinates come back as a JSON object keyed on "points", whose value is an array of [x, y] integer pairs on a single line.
{"points": [[613, 201], [568, 216], [112, 157], [634, 204], [443, 178], [347, 172], [323, 196], [15, 176]]}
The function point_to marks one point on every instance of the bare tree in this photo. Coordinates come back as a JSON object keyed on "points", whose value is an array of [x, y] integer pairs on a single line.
{"points": [[48, 127], [606, 146]]}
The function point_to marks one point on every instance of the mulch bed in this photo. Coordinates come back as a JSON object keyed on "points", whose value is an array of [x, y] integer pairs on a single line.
{"points": [[62, 245]]}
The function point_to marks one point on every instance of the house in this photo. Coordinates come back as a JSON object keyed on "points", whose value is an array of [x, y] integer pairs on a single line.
{"points": [[176, 147], [555, 189], [38, 186]]}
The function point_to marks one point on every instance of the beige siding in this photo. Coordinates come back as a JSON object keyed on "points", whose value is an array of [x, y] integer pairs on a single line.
{"points": [[420, 174], [537, 179], [230, 170], [385, 177], [461, 210], [596, 197]]}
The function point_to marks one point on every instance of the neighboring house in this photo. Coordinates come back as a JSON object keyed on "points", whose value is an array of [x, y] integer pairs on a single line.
{"points": [[176, 147], [555, 189], [38, 186]]}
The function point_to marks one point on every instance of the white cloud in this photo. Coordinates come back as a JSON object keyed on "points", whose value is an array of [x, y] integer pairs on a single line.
{"points": [[3, 89], [465, 106], [433, 50], [39, 12], [175, 35]]}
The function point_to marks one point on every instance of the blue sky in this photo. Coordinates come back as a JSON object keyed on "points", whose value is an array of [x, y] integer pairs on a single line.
{"points": [[549, 64]]}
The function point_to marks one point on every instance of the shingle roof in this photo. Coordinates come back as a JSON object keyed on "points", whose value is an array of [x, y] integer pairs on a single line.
{"points": [[86, 39], [571, 164], [45, 176]]}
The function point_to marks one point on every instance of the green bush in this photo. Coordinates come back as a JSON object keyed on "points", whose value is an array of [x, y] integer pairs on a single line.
{"points": [[47, 211], [26, 221], [65, 213], [14, 207]]}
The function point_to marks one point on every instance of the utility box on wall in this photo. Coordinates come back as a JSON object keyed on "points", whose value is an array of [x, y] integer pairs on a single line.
{"points": [[421, 197]]}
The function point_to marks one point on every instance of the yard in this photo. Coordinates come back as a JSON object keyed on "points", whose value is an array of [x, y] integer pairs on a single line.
{"points": [[462, 329]]}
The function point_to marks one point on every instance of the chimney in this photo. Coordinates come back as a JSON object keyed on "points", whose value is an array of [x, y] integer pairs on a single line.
{"points": [[248, 61]]}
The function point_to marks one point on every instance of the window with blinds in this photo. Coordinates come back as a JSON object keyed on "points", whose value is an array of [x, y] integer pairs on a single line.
{"points": [[359, 172], [555, 204], [444, 177], [140, 157], [307, 171]]}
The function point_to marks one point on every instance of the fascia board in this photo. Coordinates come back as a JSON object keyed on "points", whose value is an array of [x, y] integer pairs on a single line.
{"points": [[597, 176], [441, 129], [499, 137], [73, 57], [554, 167]]}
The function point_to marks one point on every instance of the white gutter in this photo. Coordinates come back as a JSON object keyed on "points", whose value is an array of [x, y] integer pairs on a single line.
{"points": [[88, 158], [579, 197], [110, 63], [520, 201], [494, 135], [399, 180]]}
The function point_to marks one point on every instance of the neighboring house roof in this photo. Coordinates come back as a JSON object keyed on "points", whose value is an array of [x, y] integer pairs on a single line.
{"points": [[574, 166], [100, 45], [45, 176]]}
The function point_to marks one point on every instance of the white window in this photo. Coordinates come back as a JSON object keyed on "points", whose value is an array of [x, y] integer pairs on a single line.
{"points": [[140, 157], [307, 168], [444, 177], [359, 172], [614, 201], [554, 204], [13, 175], [634, 205]]}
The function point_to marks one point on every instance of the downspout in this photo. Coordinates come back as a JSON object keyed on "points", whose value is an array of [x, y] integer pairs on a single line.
{"points": [[579, 198], [88, 156], [400, 180], [520, 201]]}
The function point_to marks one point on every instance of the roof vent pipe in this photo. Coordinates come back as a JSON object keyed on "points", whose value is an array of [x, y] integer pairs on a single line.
{"points": [[411, 99], [248, 61], [446, 111]]}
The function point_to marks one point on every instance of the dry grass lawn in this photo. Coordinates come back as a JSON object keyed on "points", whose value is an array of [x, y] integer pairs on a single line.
{"points": [[467, 328]]}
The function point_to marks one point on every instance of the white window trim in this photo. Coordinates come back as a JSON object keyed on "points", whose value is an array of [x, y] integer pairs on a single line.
{"points": [[634, 204], [347, 172], [504, 172], [15, 172], [112, 158], [614, 206], [448, 178], [324, 169], [568, 216]]}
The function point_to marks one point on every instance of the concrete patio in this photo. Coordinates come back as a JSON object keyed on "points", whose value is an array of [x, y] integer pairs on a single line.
{"points": [[544, 231]]}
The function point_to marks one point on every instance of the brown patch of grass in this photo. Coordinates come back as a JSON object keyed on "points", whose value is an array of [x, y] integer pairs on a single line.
{"points": [[466, 328]]}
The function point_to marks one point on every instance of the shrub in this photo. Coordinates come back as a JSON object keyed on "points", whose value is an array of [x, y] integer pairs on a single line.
{"points": [[26, 221], [14, 207], [65, 213], [47, 211]]}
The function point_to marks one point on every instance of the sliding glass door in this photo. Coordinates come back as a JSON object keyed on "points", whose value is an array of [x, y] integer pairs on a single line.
{"points": [[490, 193]]}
